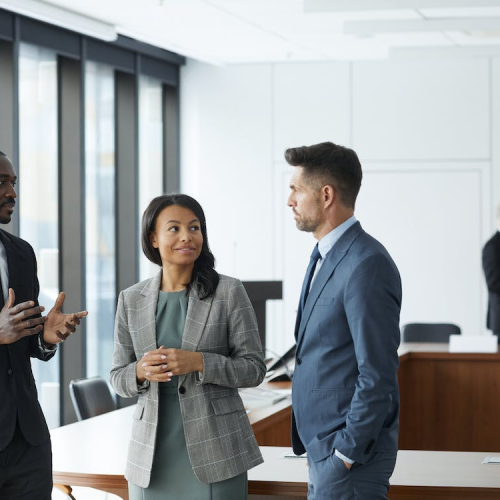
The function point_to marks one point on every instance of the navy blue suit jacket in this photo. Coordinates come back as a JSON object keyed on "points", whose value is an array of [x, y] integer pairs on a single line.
{"points": [[491, 268], [345, 386], [18, 394]]}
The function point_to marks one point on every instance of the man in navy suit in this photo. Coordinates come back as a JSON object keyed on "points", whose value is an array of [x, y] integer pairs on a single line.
{"points": [[25, 451], [491, 268], [345, 386]]}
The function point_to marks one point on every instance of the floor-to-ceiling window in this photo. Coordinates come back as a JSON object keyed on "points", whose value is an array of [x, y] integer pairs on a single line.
{"points": [[92, 129], [100, 216], [150, 154], [38, 192]]}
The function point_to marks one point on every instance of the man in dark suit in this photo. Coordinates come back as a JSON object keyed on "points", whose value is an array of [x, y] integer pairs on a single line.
{"points": [[345, 396], [491, 268], [25, 451]]}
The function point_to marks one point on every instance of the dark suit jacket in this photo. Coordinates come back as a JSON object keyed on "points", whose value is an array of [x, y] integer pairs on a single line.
{"points": [[345, 385], [491, 267], [18, 394]]}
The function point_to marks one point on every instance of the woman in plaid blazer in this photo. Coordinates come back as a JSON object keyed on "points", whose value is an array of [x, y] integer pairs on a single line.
{"points": [[185, 341]]}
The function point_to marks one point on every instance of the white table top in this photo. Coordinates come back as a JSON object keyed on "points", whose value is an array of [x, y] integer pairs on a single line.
{"points": [[407, 347], [98, 446], [94, 446], [413, 468]]}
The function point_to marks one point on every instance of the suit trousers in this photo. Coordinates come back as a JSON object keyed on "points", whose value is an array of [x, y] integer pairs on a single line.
{"points": [[25, 470], [330, 479]]}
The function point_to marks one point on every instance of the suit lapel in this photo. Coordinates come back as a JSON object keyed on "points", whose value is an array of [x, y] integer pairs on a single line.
{"points": [[147, 307], [332, 260], [13, 260], [15, 268]]}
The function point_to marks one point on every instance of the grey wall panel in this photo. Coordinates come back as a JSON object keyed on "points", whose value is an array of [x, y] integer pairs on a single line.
{"points": [[111, 55], [171, 139], [6, 25], [9, 114], [6, 98], [71, 213], [149, 50], [126, 189], [62, 41], [166, 72]]}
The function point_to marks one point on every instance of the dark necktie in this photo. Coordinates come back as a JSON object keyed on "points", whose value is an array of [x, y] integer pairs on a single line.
{"points": [[2, 301], [315, 256]]}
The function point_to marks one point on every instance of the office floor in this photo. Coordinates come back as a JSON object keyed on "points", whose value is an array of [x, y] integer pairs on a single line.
{"points": [[84, 494], [91, 494]]}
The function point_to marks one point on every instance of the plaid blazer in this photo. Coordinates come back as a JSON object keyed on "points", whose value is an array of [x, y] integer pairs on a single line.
{"points": [[219, 437]]}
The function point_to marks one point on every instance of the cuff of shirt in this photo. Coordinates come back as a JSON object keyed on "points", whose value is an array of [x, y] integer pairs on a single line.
{"points": [[44, 346], [142, 387], [343, 457]]}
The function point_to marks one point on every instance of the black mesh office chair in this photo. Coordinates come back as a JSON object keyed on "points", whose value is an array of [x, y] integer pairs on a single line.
{"points": [[428, 332], [91, 397]]}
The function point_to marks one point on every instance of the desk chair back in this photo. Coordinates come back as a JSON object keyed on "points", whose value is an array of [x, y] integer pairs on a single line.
{"points": [[428, 332], [91, 397]]}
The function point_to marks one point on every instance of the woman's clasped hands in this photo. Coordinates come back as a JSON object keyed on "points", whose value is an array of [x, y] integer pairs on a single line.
{"points": [[161, 364]]}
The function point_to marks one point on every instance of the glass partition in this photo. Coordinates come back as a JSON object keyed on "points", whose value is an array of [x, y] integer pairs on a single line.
{"points": [[38, 193], [100, 216], [150, 155]]}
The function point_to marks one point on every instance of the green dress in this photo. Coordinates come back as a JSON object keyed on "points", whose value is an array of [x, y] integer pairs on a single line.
{"points": [[172, 477]]}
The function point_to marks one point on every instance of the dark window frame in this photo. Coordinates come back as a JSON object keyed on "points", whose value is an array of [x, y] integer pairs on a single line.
{"points": [[131, 59]]}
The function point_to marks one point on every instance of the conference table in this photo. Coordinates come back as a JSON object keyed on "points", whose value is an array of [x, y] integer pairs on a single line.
{"points": [[93, 452], [450, 414]]}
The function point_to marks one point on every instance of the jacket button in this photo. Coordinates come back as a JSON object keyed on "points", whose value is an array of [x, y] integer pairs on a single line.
{"points": [[182, 389], [10, 372], [299, 361]]}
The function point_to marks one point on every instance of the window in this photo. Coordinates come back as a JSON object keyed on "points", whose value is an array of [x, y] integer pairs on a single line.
{"points": [[150, 155], [100, 216], [93, 129], [38, 193]]}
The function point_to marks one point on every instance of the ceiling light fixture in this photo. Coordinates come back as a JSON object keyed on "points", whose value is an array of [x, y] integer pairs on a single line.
{"points": [[364, 28], [63, 18], [445, 53], [358, 5]]}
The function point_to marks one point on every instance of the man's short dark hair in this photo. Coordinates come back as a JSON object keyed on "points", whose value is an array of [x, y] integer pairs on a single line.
{"points": [[329, 164]]}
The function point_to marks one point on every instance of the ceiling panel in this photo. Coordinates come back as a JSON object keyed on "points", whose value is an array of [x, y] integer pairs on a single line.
{"points": [[252, 31]]}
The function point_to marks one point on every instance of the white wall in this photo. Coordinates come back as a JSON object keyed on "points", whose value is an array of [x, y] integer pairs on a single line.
{"points": [[424, 132]]}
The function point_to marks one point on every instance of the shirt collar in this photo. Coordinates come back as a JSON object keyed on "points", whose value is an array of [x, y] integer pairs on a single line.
{"points": [[328, 241]]}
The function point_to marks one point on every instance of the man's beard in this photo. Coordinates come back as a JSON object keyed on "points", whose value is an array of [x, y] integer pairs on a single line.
{"points": [[308, 225]]}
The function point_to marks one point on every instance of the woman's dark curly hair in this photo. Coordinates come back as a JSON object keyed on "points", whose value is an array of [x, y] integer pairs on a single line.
{"points": [[205, 278]]}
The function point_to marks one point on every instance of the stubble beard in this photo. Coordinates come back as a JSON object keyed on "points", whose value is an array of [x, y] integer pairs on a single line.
{"points": [[311, 221], [309, 224]]}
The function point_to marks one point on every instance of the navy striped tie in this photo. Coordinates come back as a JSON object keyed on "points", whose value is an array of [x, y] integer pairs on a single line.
{"points": [[315, 256]]}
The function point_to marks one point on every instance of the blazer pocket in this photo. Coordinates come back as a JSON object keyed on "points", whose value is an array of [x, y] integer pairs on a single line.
{"points": [[138, 412], [325, 301], [222, 406]]}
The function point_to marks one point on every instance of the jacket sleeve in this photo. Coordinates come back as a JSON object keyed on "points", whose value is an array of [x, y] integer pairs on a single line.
{"points": [[372, 304], [245, 366], [491, 267], [123, 375]]}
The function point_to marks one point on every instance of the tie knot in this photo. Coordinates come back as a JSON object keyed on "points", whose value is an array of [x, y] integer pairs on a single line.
{"points": [[315, 256]]}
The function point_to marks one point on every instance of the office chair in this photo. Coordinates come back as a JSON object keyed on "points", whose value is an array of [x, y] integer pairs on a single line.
{"points": [[91, 397], [428, 332]]}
